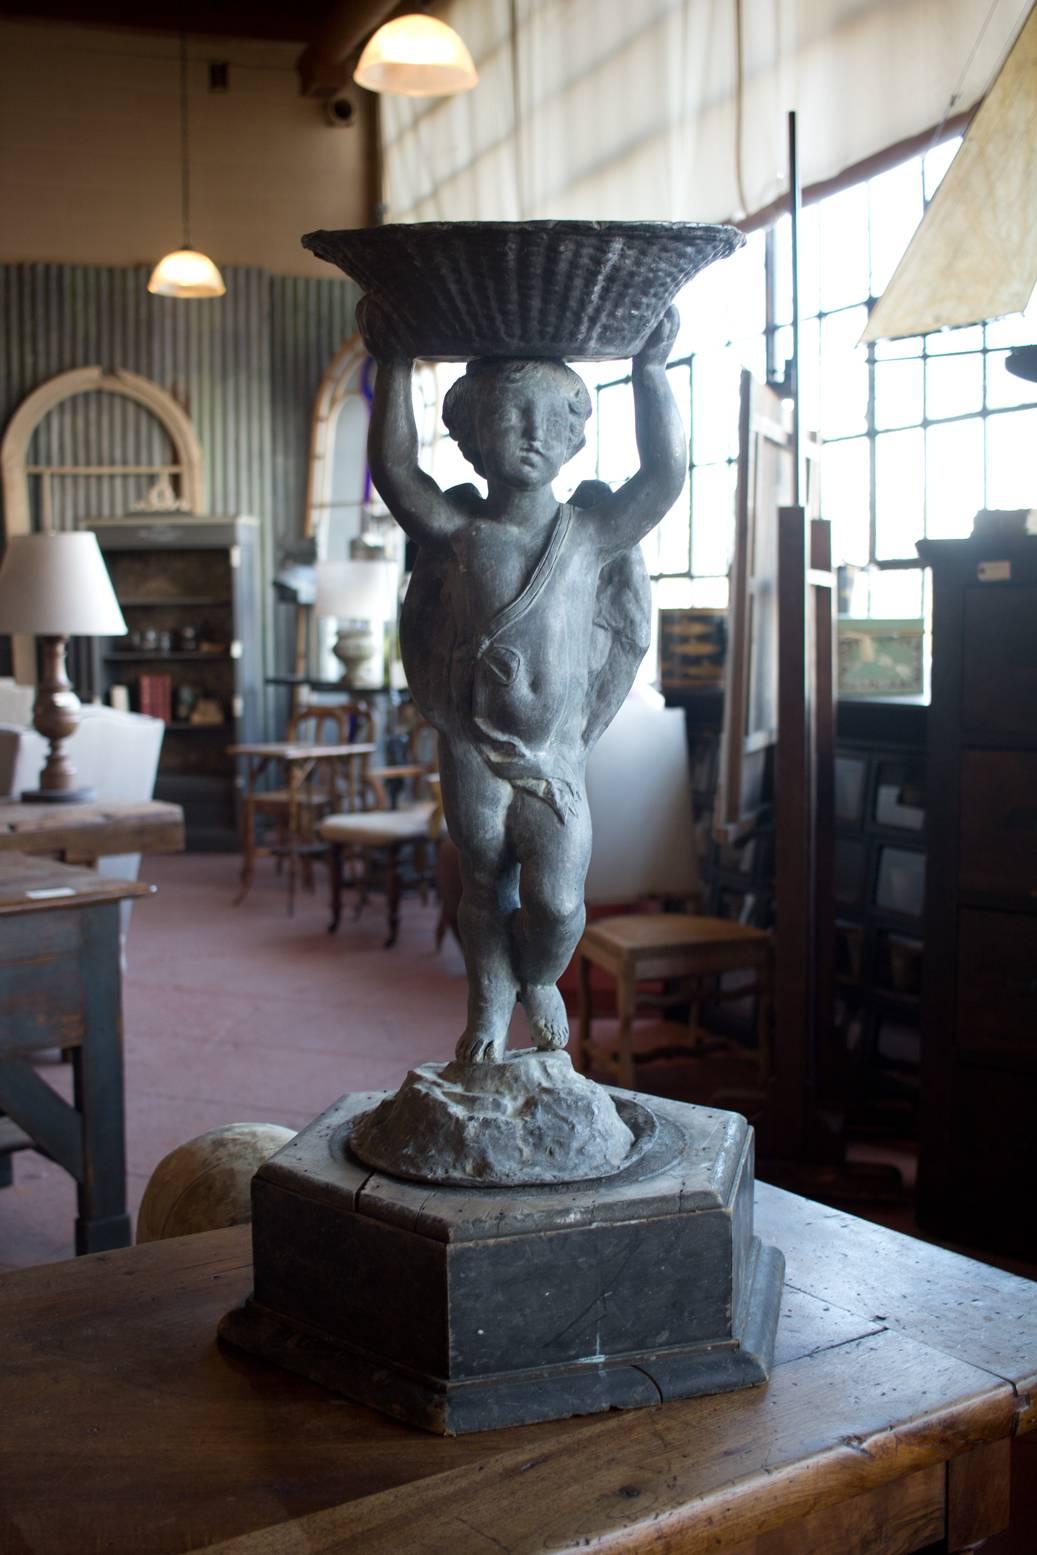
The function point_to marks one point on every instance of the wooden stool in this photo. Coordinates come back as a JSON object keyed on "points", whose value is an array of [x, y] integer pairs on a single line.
{"points": [[646, 947]]}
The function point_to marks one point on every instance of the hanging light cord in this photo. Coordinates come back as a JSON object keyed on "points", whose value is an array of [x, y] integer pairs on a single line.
{"points": [[952, 101], [185, 166], [740, 106]]}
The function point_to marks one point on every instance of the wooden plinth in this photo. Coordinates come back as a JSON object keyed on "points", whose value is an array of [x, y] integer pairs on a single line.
{"points": [[463, 1309]]}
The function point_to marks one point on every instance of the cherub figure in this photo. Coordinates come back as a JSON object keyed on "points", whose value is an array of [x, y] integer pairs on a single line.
{"points": [[521, 633]]}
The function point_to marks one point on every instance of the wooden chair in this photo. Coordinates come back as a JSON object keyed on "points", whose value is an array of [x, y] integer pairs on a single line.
{"points": [[695, 951], [392, 844], [295, 816]]}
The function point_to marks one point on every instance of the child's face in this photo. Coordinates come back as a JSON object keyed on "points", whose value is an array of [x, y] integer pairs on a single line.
{"points": [[523, 430]]}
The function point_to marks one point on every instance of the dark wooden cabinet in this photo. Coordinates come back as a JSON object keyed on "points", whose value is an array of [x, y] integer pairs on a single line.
{"points": [[978, 1161], [880, 863], [188, 588]]}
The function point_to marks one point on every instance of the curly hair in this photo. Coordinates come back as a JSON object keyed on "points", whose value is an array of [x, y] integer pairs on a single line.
{"points": [[487, 374]]}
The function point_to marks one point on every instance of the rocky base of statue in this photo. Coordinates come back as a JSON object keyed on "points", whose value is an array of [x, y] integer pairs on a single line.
{"points": [[528, 1120], [466, 1308]]}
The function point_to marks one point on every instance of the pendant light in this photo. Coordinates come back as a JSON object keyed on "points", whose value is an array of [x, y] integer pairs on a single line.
{"points": [[416, 56], [185, 272]]}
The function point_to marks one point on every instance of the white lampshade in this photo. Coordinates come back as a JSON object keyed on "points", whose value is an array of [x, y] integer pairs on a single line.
{"points": [[416, 56], [357, 591], [186, 273], [57, 585]]}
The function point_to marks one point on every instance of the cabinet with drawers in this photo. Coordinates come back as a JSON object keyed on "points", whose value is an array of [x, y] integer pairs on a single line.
{"points": [[978, 1158]]}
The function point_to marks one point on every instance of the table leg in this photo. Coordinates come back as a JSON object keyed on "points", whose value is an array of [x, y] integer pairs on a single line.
{"points": [[102, 1223], [248, 834], [335, 862], [765, 976], [978, 1486], [583, 1040], [626, 1000], [293, 826], [392, 895]]}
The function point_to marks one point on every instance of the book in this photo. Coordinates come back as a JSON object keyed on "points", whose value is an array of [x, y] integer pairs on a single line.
{"points": [[155, 695]]}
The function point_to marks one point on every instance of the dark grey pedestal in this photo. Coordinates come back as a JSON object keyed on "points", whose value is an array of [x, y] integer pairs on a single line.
{"points": [[461, 1310]]}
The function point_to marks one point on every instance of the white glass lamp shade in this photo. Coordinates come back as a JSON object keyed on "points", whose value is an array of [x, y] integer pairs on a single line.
{"points": [[416, 56], [357, 591], [57, 585], [186, 273]]}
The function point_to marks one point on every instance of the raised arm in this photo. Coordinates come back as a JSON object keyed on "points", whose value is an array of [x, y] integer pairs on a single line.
{"points": [[412, 497], [625, 516]]}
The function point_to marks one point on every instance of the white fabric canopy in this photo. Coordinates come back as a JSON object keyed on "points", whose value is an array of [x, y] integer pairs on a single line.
{"points": [[974, 256], [631, 109]]}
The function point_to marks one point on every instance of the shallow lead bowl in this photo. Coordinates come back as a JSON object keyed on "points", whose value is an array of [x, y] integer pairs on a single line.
{"points": [[583, 290]]}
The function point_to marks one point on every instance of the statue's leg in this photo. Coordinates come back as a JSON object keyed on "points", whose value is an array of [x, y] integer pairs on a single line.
{"points": [[553, 858], [475, 804]]}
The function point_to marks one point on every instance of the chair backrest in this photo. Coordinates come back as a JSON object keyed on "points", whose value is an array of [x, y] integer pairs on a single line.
{"points": [[340, 723], [412, 756], [423, 746]]}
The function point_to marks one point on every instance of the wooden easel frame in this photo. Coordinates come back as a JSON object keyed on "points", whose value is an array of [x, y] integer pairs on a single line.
{"points": [[753, 574], [804, 828]]}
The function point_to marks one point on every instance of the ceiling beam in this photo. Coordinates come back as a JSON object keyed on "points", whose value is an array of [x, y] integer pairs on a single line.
{"points": [[324, 66], [262, 20]]}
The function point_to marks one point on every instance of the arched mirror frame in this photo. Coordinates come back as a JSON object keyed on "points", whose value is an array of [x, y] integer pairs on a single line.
{"points": [[14, 450]]}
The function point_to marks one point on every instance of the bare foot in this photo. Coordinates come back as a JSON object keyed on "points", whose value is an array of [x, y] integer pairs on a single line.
{"points": [[545, 1012], [479, 1046]]}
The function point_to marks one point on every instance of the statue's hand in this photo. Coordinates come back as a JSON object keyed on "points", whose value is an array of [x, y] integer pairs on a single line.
{"points": [[657, 347], [379, 332]]}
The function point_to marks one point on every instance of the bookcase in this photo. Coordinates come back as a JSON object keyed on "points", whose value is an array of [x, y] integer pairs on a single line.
{"points": [[188, 588], [977, 1169]]}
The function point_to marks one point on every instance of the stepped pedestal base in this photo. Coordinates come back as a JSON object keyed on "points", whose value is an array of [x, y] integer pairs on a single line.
{"points": [[462, 1309]]}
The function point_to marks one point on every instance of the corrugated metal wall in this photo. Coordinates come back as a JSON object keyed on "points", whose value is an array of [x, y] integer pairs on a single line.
{"points": [[245, 366]]}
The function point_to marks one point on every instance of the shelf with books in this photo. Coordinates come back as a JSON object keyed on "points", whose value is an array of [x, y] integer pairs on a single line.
{"points": [[152, 656], [177, 601]]}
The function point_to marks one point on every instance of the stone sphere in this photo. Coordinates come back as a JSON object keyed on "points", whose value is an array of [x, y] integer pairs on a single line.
{"points": [[205, 1184]]}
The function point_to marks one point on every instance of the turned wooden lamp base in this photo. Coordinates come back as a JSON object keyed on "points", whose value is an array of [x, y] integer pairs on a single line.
{"points": [[56, 717], [58, 795]]}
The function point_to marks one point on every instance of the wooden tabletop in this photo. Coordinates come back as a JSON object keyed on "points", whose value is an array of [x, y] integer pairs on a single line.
{"points": [[131, 1431], [39, 884], [91, 830], [668, 931], [292, 750]]}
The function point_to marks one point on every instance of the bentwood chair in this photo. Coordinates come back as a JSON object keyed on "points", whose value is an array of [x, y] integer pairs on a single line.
{"points": [[294, 814]]}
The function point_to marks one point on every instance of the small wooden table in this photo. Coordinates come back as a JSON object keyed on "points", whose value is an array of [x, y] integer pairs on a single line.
{"points": [[60, 987], [89, 831], [902, 1371], [300, 761]]}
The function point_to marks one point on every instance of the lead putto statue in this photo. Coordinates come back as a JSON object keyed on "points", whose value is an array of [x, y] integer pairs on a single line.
{"points": [[550, 1246], [523, 627]]}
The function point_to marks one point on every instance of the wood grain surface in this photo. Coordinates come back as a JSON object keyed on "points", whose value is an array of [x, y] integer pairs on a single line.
{"points": [[91, 830], [164, 1442], [29, 884]]}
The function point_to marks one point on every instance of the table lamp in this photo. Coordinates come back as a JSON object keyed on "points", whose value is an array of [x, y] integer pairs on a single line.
{"points": [[56, 586], [357, 594]]}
